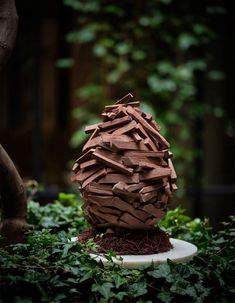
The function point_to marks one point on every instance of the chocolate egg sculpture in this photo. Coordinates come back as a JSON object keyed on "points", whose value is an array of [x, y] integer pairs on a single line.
{"points": [[125, 173]]}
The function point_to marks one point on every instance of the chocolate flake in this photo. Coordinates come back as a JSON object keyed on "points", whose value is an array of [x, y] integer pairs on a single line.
{"points": [[125, 129], [112, 163], [91, 128], [98, 174], [124, 99], [115, 178], [135, 115], [122, 145], [156, 173], [88, 163], [115, 123]]}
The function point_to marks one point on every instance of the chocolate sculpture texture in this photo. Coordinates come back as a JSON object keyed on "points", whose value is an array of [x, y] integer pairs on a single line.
{"points": [[125, 172]]}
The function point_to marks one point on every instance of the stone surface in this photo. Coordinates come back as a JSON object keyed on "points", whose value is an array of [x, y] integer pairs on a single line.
{"points": [[182, 252]]}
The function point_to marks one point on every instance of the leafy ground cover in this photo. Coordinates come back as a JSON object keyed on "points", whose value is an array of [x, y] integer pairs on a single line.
{"points": [[49, 268]]}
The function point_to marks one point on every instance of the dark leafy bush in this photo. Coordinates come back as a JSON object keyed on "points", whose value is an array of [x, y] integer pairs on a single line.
{"points": [[50, 268]]}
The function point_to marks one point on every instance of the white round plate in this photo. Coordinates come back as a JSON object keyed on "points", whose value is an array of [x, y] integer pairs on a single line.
{"points": [[181, 252]]}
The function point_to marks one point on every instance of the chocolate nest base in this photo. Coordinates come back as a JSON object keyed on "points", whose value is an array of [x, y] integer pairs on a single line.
{"points": [[128, 242]]}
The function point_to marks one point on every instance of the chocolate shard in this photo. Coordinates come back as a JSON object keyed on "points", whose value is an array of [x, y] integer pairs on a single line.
{"points": [[174, 187], [91, 128], [167, 154], [133, 161], [115, 178], [129, 209], [131, 221], [155, 174], [141, 131], [108, 218], [142, 162], [100, 173], [113, 108], [106, 147], [148, 196], [150, 145], [85, 156], [115, 123], [92, 143], [168, 189], [149, 129], [99, 190], [111, 163], [152, 221], [83, 174], [148, 154], [101, 186], [136, 137], [125, 129], [163, 197], [75, 168], [149, 208], [125, 99], [116, 107], [173, 173], [119, 189], [134, 187], [133, 104], [147, 165], [107, 210], [108, 138], [120, 185], [109, 154], [88, 164], [120, 145], [115, 202], [139, 214], [111, 170], [105, 201], [147, 117], [150, 188], [155, 125], [109, 115]]}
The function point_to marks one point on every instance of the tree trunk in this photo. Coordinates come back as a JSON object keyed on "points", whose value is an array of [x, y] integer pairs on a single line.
{"points": [[13, 201], [12, 191], [8, 29]]}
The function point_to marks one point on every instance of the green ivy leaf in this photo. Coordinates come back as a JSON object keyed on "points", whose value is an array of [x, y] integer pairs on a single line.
{"points": [[186, 40], [216, 75], [165, 296], [64, 63], [120, 295], [99, 50], [162, 271], [86, 275], [104, 289], [138, 55], [83, 36], [122, 48], [138, 289]]}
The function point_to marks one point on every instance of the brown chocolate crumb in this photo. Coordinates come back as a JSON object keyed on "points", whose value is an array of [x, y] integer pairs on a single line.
{"points": [[129, 242]]}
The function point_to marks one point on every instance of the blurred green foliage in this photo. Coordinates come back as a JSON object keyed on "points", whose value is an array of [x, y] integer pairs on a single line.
{"points": [[157, 50]]}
